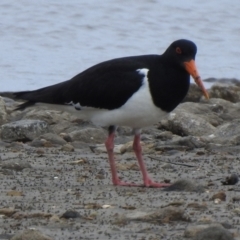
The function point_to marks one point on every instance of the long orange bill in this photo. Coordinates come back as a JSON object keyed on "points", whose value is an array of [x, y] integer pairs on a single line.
{"points": [[192, 70]]}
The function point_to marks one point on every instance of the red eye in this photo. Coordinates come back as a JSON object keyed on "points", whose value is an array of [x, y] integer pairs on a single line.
{"points": [[178, 50]]}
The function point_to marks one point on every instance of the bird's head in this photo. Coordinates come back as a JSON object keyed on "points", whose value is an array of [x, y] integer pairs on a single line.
{"points": [[183, 52]]}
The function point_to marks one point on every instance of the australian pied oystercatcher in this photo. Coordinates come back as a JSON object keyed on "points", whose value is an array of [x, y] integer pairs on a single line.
{"points": [[132, 91]]}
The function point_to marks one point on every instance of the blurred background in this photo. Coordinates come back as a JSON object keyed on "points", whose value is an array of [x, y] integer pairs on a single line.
{"points": [[48, 41]]}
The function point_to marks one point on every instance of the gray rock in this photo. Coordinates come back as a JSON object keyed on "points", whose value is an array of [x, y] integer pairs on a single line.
{"points": [[53, 138], [184, 123], [89, 135], [3, 112], [67, 148], [49, 116], [193, 230], [16, 165], [225, 91], [227, 134], [214, 233], [188, 142], [194, 94], [185, 185], [30, 234], [160, 216], [23, 130]]}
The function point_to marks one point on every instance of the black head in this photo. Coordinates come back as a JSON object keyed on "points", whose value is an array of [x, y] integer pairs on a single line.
{"points": [[181, 54], [181, 51]]}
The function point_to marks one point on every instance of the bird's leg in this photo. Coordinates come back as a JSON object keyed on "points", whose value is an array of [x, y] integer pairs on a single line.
{"points": [[110, 147], [147, 181]]}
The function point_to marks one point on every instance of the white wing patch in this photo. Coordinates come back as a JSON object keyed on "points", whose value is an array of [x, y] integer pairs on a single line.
{"points": [[77, 106]]}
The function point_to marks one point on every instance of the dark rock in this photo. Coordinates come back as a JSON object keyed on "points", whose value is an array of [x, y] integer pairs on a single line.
{"points": [[219, 195], [185, 185], [214, 233], [71, 214], [232, 180], [23, 130], [194, 94], [66, 137]]}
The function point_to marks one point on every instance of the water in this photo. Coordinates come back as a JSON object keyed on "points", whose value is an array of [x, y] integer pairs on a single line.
{"points": [[44, 42]]}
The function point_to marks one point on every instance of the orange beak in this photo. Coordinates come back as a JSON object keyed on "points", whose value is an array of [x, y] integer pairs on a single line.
{"points": [[192, 70]]}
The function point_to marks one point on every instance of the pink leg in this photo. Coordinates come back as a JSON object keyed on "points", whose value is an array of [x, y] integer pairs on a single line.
{"points": [[110, 146], [138, 152]]}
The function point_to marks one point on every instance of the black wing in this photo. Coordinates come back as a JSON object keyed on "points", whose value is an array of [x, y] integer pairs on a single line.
{"points": [[107, 85]]}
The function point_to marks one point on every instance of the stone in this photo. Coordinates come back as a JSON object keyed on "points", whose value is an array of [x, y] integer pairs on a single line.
{"points": [[192, 230], [89, 135], [194, 94], [7, 211], [227, 134], [185, 185], [214, 233], [23, 130], [3, 112], [30, 234], [67, 148], [47, 115], [160, 216], [15, 165], [53, 138], [225, 91], [219, 195], [71, 214], [184, 123]]}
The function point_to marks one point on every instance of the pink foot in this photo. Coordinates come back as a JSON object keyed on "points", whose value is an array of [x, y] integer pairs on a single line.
{"points": [[149, 183]]}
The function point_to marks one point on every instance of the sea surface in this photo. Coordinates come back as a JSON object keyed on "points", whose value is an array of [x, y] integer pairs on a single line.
{"points": [[48, 41]]}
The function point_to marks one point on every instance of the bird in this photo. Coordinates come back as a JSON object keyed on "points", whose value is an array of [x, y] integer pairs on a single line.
{"points": [[133, 91]]}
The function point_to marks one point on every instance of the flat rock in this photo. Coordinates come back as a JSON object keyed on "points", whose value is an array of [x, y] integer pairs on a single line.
{"points": [[214, 233], [184, 123], [30, 234], [227, 134], [192, 230], [49, 116], [15, 165], [23, 130], [53, 138], [185, 185], [159, 216], [89, 135]]}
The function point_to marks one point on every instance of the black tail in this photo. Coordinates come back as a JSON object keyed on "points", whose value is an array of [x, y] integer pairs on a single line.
{"points": [[52, 94]]}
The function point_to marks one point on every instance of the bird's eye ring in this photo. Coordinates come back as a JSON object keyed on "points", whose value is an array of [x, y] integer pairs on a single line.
{"points": [[178, 50]]}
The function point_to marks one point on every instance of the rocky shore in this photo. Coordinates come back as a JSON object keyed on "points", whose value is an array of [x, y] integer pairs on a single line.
{"points": [[56, 183]]}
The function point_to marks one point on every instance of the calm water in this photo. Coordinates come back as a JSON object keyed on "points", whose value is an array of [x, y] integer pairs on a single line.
{"points": [[47, 41]]}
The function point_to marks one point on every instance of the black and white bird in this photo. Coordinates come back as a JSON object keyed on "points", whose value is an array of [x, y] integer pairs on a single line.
{"points": [[135, 91]]}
